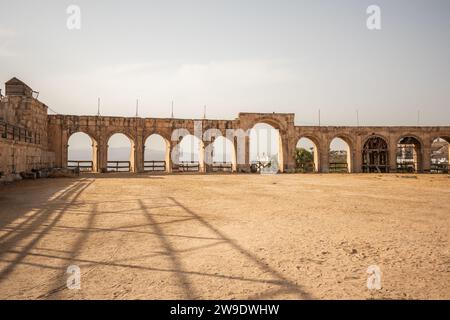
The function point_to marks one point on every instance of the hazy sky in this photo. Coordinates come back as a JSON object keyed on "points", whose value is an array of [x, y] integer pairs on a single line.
{"points": [[254, 56]]}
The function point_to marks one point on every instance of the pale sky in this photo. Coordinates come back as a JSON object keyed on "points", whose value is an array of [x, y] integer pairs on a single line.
{"points": [[232, 56]]}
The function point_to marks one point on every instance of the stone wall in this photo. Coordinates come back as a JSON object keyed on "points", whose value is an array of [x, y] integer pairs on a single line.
{"points": [[23, 131], [20, 108], [16, 157]]}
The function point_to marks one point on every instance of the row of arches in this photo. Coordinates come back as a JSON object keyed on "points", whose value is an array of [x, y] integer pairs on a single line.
{"points": [[375, 155], [264, 144]]}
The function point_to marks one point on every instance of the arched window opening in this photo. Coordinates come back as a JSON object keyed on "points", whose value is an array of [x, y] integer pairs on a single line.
{"points": [[339, 156], [408, 155], [82, 153], [120, 153], [222, 155], [266, 153], [440, 155], [156, 154], [306, 156], [189, 155], [375, 155]]}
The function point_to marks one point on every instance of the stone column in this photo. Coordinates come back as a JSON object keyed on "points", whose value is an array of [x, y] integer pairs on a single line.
{"points": [[138, 154], [357, 156], [208, 156], [201, 157], [392, 154], [102, 157], [168, 158], [64, 149], [244, 167], [324, 155], [425, 164]]}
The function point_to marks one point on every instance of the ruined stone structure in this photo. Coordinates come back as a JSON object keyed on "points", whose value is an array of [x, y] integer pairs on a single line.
{"points": [[369, 147]]}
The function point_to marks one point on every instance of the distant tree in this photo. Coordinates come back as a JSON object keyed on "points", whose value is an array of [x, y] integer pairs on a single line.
{"points": [[304, 159]]}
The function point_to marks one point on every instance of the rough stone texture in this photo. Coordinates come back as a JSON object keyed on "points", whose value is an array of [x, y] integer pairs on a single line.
{"points": [[20, 108]]}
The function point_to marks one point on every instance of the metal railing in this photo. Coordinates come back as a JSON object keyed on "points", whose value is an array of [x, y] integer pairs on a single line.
{"points": [[439, 168], [118, 166], [338, 167], [16, 133], [187, 166], [306, 167], [221, 167], [375, 168], [154, 166], [406, 167], [81, 165]]}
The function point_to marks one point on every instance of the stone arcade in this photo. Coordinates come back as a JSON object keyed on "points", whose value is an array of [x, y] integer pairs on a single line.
{"points": [[30, 138]]}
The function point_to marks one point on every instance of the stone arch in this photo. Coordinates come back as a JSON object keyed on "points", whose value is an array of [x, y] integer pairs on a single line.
{"points": [[440, 154], [350, 147], [279, 141], [120, 163], [316, 149], [83, 164], [375, 154], [277, 124], [153, 163], [227, 159], [186, 161], [409, 153]]}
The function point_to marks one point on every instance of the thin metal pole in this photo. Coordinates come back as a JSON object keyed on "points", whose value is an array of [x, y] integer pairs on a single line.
{"points": [[137, 107], [319, 117], [98, 107]]}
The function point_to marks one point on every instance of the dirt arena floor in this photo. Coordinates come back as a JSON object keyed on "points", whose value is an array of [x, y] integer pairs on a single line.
{"points": [[226, 237]]}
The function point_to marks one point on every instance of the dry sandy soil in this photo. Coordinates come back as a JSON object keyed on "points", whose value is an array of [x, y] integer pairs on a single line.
{"points": [[226, 237]]}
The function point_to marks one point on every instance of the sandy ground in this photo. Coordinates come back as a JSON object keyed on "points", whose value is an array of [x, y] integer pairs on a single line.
{"points": [[226, 237]]}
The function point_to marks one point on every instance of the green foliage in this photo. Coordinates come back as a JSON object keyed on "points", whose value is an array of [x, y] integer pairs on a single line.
{"points": [[304, 160], [303, 156]]}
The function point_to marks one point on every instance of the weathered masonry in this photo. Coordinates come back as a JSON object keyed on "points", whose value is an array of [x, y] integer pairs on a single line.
{"points": [[31, 138]]}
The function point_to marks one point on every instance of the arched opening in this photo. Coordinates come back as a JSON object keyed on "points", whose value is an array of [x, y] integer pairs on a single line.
{"points": [[266, 153], [120, 153], [189, 155], [340, 156], [375, 155], [82, 152], [306, 156], [223, 157], [409, 153], [440, 155], [156, 153]]}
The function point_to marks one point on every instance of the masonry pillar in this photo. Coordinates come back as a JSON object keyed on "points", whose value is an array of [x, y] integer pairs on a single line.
{"points": [[426, 155], [138, 154], [392, 155], [102, 156], [64, 148], [245, 157], [324, 155], [201, 157], [94, 156], [357, 157], [171, 153], [208, 155]]}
